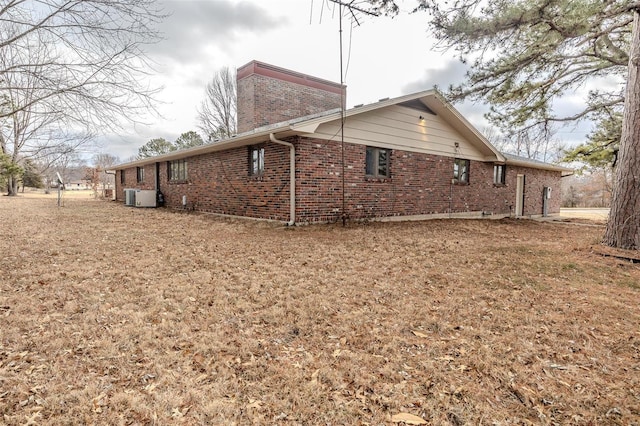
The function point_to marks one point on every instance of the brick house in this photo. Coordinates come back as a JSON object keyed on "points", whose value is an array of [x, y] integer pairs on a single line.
{"points": [[409, 157]]}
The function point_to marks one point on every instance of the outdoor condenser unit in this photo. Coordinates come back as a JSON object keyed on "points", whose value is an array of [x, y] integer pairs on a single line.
{"points": [[130, 197], [145, 198]]}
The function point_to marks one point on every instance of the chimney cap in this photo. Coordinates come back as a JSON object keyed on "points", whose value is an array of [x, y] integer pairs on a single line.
{"points": [[279, 73]]}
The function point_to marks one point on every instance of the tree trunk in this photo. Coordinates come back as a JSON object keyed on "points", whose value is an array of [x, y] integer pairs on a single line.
{"points": [[12, 186], [623, 226]]}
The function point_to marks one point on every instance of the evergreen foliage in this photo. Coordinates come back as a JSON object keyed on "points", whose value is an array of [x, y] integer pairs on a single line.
{"points": [[31, 176], [159, 146], [526, 54], [188, 140], [156, 146]]}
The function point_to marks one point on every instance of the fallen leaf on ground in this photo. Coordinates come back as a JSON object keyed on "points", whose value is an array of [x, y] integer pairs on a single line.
{"points": [[254, 403], [407, 418]]}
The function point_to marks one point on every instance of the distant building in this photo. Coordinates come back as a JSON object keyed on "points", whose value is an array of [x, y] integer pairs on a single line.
{"points": [[77, 185]]}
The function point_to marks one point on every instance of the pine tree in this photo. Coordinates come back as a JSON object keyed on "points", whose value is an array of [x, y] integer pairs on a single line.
{"points": [[527, 54]]}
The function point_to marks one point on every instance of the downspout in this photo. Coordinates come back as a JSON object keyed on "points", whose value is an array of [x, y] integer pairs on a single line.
{"points": [[292, 177], [156, 178]]}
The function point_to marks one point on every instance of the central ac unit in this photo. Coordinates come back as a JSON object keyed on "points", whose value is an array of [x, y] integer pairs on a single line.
{"points": [[145, 198], [130, 197]]}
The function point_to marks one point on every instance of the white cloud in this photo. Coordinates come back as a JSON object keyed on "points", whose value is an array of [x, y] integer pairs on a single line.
{"points": [[383, 57], [193, 26], [450, 72]]}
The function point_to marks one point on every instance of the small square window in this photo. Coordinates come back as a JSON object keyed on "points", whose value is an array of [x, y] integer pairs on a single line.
{"points": [[461, 170], [499, 174], [140, 174], [256, 161], [377, 162]]}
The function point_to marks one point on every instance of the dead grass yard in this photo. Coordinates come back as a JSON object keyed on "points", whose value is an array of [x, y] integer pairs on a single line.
{"points": [[113, 315]]}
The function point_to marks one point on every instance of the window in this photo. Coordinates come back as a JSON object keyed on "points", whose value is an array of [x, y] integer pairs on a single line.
{"points": [[461, 170], [499, 174], [377, 162], [256, 161], [140, 174], [177, 170], [122, 180]]}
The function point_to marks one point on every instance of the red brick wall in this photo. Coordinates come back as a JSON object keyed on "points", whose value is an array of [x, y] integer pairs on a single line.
{"points": [[245, 107], [266, 100], [220, 183], [131, 180], [535, 180], [419, 184]]}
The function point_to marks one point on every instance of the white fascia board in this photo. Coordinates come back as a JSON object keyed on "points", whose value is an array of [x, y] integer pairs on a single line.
{"points": [[543, 166], [306, 127]]}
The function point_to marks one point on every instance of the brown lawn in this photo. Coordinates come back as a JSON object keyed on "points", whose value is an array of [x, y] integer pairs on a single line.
{"points": [[115, 315]]}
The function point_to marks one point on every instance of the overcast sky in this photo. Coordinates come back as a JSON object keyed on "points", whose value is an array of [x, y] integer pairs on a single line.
{"points": [[385, 57]]}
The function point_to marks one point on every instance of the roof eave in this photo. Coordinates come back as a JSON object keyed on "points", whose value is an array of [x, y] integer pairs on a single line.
{"points": [[431, 98], [542, 166]]}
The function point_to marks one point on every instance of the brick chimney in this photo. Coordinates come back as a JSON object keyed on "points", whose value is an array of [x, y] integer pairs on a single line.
{"points": [[268, 94]]}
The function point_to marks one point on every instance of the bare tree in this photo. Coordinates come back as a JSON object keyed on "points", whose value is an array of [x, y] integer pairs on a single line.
{"points": [[64, 164], [217, 112], [536, 142], [25, 124], [498, 139], [102, 162], [77, 65]]}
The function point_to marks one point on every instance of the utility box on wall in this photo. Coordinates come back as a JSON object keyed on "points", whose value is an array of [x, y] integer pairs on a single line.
{"points": [[546, 196], [145, 198]]}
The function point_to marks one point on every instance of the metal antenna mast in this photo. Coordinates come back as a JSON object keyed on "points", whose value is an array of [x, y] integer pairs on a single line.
{"points": [[352, 9]]}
